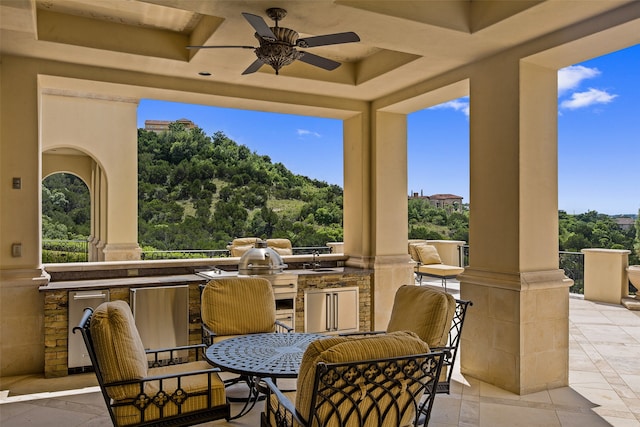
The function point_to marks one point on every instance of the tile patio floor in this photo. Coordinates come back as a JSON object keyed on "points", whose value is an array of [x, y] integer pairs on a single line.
{"points": [[604, 390]]}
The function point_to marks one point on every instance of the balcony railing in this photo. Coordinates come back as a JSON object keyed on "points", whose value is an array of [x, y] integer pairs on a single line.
{"points": [[573, 265]]}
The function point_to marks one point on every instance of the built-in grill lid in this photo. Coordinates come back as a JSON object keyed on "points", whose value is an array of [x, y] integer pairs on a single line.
{"points": [[261, 260]]}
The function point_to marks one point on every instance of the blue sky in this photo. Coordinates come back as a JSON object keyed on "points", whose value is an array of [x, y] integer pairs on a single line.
{"points": [[598, 138]]}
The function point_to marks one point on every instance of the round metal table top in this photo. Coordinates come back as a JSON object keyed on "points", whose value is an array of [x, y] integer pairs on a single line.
{"points": [[276, 355]]}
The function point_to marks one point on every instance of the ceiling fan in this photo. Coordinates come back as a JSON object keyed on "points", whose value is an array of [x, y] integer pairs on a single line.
{"points": [[278, 44]]}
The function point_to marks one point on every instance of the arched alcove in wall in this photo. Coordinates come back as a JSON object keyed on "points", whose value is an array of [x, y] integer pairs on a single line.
{"points": [[76, 169]]}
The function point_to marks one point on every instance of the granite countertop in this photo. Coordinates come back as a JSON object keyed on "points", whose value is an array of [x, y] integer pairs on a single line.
{"points": [[168, 280], [143, 281]]}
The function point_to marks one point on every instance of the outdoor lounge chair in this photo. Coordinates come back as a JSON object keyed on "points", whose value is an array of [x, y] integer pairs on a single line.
{"points": [[136, 395], [380, 380], [241, 245], [282, 246], [428, 263]]}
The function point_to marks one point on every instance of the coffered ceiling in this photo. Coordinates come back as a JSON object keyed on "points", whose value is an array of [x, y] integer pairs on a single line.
{"points": [[402, 42]]}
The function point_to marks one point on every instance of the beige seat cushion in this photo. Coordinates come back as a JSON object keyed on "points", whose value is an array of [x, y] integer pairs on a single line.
{"points": [[119, 350], [440, 270], [241, 245], [428, 254], [238, 305], [127, 415], [412, 248], [281, 246], [351, 349], [425, 311]]}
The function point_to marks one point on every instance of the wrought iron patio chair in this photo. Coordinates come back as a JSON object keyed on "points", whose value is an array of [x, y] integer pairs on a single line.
{"points": [[234, 306], [414, 310], [382, 391], [136, 395]]}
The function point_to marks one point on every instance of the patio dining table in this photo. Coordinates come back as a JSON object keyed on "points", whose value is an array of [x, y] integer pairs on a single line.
{"points": [[257, 356]]}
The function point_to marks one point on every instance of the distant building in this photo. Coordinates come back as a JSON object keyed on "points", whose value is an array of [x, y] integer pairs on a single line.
{"points": [[625, 223], [163, 125], [450, 202]]}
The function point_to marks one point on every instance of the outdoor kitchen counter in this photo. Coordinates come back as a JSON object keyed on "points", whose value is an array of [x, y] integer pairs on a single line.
{"points": [[126, 282]]}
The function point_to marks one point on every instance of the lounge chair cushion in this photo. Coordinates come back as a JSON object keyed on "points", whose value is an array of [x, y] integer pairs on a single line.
{"points": [[118, 347], [238, 306], [424, 311], [428, 254], [440, 270], [241, 245], [351, 349], [412, 248], [281, 246]]}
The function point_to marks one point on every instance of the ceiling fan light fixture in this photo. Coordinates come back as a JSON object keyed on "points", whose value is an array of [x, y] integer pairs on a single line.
{"points": [[281, 52]]}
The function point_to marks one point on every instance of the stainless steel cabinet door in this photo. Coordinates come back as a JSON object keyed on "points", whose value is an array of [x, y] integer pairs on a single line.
{"points": [[331, 310]]}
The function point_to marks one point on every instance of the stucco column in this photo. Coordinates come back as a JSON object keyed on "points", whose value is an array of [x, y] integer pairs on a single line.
{"points": [[21, 323], [105, 129], [375, 206], [516, 336]]}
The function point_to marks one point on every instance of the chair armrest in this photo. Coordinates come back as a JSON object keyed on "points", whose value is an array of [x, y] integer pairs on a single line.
{"points": [[172, 350], [207, 335], [281, 327], [284, 403], [182, 347], [348, 334], [163, 377]]}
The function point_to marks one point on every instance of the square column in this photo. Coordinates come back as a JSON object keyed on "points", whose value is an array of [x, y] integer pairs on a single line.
{"points": [[517, 336], [375, 207]]}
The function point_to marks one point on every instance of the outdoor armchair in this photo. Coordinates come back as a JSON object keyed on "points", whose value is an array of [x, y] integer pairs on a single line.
{"points": [[380, 380], [136, 395], [233, 306], [435, 316]]}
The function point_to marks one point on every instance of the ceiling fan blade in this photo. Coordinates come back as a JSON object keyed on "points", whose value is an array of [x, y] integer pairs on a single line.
{"points": [[260, 26], [220, 47], [255, 66], [327, 39], [319, 61]]}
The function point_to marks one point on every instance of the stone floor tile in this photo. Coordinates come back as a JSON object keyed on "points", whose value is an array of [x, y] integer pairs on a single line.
{"points": [[495, 415], [572, 419]]}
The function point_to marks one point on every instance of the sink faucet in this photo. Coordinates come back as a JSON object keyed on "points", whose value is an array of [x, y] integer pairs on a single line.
{"points": [[314, 263]]}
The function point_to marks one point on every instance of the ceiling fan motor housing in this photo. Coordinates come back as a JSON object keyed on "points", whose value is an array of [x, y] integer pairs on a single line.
{"points": [[281, 52]]}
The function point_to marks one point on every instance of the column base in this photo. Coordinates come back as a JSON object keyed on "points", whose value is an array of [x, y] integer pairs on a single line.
{"points": [[21, 305], [517, 331]]}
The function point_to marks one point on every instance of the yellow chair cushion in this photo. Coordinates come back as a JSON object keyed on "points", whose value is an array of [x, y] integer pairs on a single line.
{"points": [[425, 311], [351, 349], [127, 415], [440, 270], [241, 245], [238, 306], [281, 246], [428, 254], [118, 347], [412, 248]]}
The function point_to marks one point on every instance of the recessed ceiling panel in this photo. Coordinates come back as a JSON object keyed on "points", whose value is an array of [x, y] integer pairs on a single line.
{"points": [[100, 34]]}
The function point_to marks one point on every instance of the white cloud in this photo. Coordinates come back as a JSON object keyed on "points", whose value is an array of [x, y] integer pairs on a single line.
{"points": [[571, 77], [461, 104], [305, 132], [588, 98]]}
